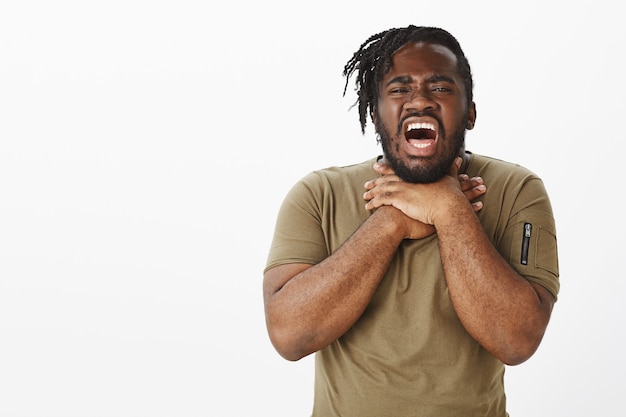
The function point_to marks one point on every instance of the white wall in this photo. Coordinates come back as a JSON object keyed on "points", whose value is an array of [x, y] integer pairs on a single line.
{"points": [[145, 147]]}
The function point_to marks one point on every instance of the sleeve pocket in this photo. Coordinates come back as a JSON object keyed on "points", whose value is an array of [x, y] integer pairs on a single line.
{"points": [[546, 251]]}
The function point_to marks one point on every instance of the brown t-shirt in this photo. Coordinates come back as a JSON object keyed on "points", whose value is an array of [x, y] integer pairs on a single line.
{"points": [[408, 354]]}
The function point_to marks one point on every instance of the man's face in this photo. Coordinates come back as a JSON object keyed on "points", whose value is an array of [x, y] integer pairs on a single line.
{"points": [[422, 112]]}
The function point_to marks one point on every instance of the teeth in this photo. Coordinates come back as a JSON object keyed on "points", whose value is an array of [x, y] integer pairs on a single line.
{"points": [[420, 145], [413, 126]]}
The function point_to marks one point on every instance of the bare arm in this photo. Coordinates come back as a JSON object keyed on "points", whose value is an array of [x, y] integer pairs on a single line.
{"points": [[308, 307], [502, 310]]}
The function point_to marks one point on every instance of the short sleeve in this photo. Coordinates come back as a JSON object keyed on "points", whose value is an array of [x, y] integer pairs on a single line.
{"points": [[298, 235], [531, 238]]}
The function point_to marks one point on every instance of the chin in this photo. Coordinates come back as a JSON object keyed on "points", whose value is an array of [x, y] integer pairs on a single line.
{"points": [[420, 173]]}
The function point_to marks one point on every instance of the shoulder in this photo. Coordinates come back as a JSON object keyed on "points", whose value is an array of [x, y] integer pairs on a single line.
{"points": [[331, 182], [498, 173], [486, 164], [512, 189], [347, 174]]}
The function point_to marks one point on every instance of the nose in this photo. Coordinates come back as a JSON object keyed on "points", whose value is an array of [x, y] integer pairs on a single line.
{"points": [[419, 101]]}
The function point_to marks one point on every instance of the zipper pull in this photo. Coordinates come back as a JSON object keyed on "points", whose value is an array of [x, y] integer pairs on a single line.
{"points": [[528, 227]]}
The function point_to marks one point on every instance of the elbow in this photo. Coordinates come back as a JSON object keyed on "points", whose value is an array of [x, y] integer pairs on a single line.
{"points": [[514, 359], [517, 344], [290, 355], [286, 345], [519, 352]]}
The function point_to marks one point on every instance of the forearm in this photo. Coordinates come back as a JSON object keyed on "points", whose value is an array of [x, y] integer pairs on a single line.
{"points": [[497, 306], [319, 304]]}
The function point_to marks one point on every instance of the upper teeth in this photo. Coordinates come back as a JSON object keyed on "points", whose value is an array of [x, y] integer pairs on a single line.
{"points": [[413, 126]]}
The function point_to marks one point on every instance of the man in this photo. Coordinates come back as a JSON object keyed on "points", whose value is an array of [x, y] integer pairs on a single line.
{"points": [[412, 296]]}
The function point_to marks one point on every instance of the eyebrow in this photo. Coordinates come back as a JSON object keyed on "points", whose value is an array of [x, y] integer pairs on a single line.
{"points": [[402, 79], [407, 79]]}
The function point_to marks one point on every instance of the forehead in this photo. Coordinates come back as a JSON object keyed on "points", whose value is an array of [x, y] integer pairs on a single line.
{"points": [[423, 57]]}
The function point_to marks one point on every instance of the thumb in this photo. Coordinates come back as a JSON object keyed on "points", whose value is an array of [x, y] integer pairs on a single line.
{"points": [[383, 168], [454, 168]]}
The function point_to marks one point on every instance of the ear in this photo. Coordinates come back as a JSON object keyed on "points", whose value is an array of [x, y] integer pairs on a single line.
{"points": [[374, 115], [471, 119]]}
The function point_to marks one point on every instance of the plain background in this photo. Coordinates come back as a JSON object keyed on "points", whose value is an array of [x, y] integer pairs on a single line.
{"points": [[145, 147]]}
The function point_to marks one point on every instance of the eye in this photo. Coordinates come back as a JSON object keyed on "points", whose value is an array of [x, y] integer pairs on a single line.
{"points": [[399, 90]]}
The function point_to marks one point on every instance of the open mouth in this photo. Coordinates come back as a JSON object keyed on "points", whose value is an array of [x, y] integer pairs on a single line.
{"points": [[421, 135]]}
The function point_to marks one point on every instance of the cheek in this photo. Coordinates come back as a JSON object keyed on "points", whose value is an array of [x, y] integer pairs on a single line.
{"points": [[387, 114], [455, 120]]}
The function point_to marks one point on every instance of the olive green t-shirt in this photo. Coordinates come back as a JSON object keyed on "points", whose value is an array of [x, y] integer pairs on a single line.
{"points": [[408, 354]]}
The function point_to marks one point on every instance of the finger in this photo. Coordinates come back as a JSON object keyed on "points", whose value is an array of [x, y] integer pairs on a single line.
{"points": [[370, 185], [375, 188], [387, 179], [475, 192], [477, 206], [454, 168], [467, 183], [380, 200], [381, 194], [372, 203], [383, 169], [370, 190]]}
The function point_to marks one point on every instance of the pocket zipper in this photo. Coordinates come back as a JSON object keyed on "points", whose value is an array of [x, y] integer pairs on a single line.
{"points": [[526, 242]]}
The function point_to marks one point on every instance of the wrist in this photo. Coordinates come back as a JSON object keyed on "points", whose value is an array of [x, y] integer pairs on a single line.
{"points": [[390, 222], [451, 212]]}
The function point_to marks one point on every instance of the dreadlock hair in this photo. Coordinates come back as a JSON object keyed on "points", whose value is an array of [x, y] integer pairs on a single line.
{"points": [[373, 60]]}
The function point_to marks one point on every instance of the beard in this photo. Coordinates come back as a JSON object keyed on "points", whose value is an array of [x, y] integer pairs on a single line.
{"points": [[427, 169]]}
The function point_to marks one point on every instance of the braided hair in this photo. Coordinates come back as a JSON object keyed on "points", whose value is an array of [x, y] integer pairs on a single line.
{"points": [[373, 60]]}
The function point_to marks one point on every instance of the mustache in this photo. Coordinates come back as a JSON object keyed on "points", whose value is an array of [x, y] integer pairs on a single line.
{"points": [[418, 114]]}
